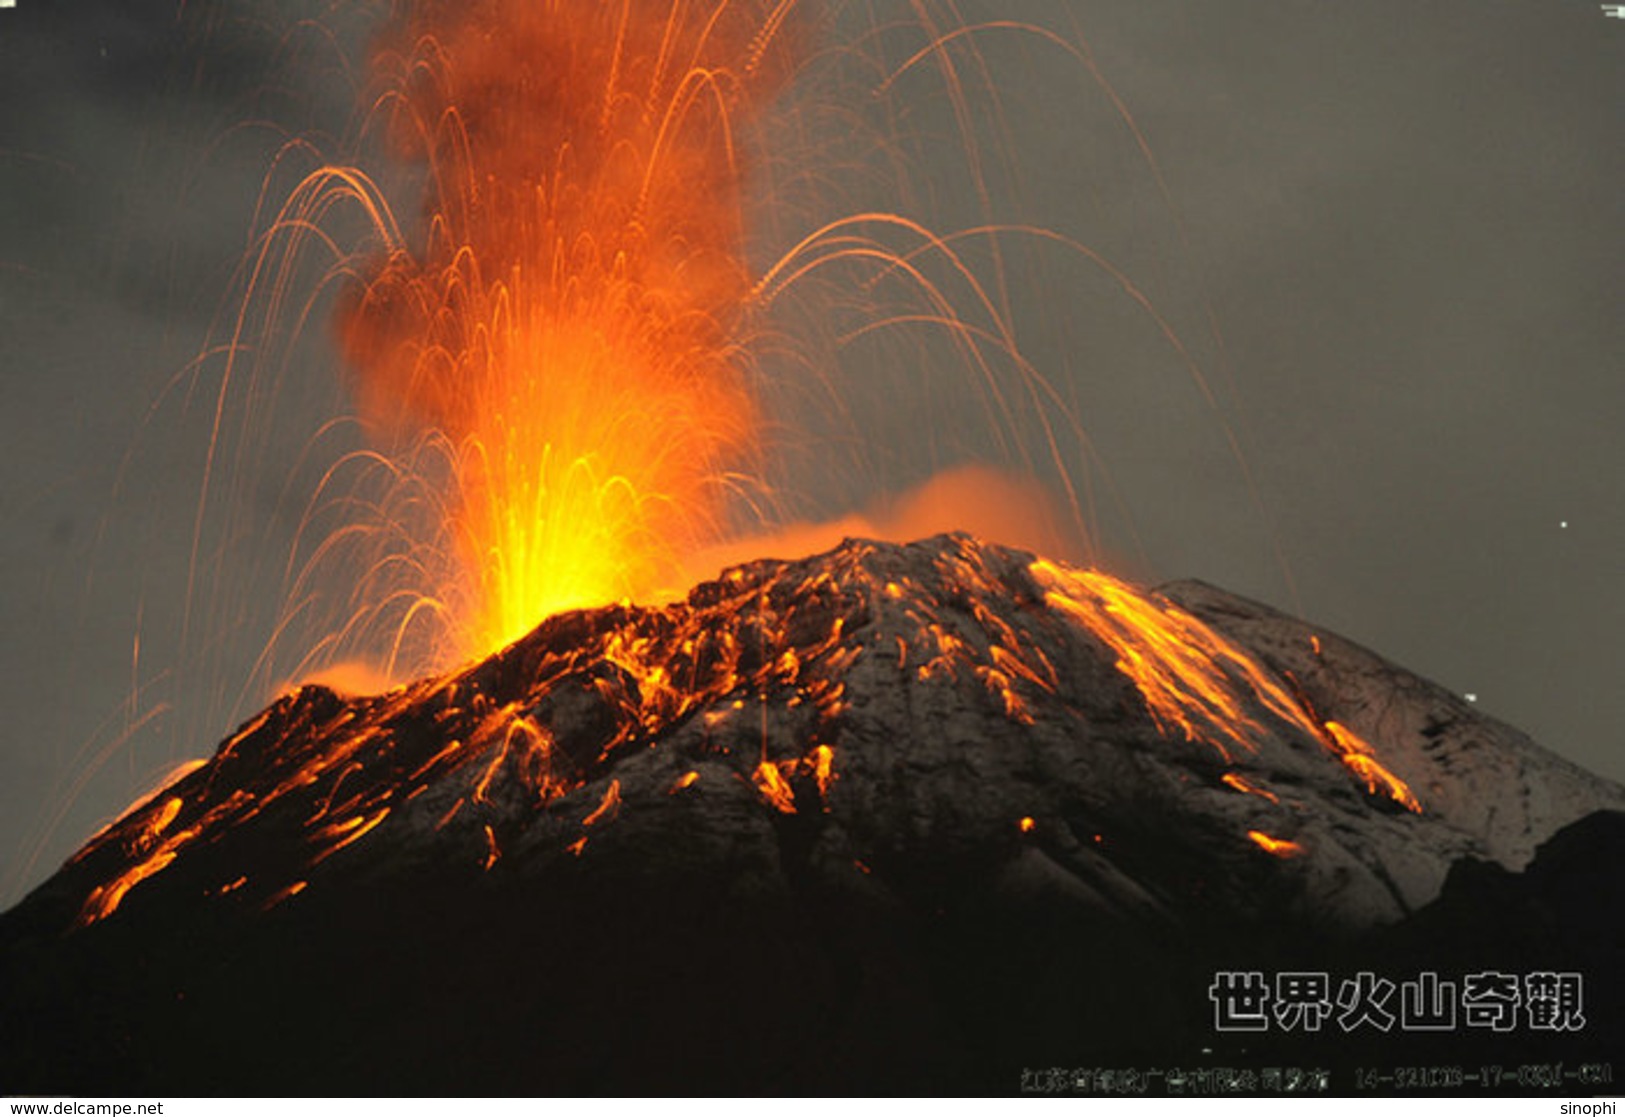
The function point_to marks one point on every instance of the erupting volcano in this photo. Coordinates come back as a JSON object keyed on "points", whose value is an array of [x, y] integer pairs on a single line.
{"points": [[899, 816]]}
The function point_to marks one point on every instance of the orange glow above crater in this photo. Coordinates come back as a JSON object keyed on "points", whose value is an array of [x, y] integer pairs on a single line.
{"points": [[560, 344]]}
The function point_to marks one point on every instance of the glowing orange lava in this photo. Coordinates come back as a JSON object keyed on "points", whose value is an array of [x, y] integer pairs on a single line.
{"points": [[349, 768], [1197, 682], [1280, 847], [553, 368], [1247, 787], [564, 332]]}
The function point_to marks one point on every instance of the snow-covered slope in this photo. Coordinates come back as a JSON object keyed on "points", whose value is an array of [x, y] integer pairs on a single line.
{"points": [[877, 782]]}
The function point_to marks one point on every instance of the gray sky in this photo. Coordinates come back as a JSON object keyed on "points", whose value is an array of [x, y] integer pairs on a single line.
{"points": [[1402, 219]]}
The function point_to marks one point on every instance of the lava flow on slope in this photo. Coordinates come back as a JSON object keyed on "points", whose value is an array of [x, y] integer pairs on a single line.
{"points": [[997, 806], [547, 716], [816, 685]]}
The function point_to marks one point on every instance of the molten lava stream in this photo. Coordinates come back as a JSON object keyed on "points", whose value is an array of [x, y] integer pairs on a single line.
{"points": [[1199, 683]]}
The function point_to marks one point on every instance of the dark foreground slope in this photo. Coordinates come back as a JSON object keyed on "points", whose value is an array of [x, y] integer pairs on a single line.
{"points": [[890, 819]]}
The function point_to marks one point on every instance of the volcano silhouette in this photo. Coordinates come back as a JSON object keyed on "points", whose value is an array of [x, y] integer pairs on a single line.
{"points": [[929, 818]]}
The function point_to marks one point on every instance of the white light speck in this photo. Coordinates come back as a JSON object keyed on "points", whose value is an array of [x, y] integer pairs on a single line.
{"points": [[1562, 523], [1471, 697]]}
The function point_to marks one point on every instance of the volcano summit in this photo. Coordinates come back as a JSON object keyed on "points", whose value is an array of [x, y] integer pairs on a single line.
{"points": [[918, 818]]}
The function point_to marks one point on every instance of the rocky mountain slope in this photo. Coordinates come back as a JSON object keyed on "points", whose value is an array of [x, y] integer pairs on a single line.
{"points": [[918, 818]]}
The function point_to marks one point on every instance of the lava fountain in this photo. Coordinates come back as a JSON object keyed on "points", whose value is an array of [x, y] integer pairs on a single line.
{"points": [[573, 384], [562, 334], [555, 373]]}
